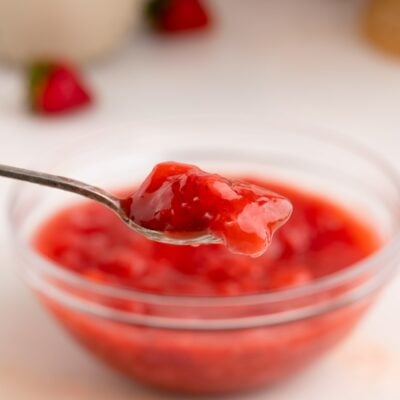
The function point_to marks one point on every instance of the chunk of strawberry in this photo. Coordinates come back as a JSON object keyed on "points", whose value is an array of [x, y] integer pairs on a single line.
{"points": [[177, 15], [182, 199], [56, 88]]}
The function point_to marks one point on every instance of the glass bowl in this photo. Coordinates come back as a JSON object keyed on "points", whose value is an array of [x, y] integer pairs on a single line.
{"points": [[214, 344]]}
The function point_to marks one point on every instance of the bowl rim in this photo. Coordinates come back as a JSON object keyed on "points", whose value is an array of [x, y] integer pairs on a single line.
{"points": [[319, 285]]}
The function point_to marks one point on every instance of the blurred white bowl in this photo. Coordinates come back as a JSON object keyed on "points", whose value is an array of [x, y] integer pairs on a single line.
{"points": [[68, 29]]}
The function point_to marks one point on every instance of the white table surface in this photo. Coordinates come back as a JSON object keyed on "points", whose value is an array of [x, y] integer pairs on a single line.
{"points": [[297, 59]]}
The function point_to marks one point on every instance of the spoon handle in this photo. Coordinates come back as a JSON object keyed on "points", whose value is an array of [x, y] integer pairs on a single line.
{"points": [[62, 183]]}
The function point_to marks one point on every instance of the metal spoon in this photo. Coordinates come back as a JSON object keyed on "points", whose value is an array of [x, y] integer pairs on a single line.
{"points": [[105, 198]]}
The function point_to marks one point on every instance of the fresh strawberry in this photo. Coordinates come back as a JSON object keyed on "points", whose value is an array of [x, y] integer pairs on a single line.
{"points": [[56, 88], [177, 15]]}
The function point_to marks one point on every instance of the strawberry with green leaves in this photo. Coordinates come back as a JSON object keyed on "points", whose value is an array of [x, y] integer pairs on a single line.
{"points": [[56, 88], [172, 16]]}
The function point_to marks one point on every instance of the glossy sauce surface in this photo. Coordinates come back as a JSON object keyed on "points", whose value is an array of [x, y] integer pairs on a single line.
{"points": [[181, 199], [319, 239]]}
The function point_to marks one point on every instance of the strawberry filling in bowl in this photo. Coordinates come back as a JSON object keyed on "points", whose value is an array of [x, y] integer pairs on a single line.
{"points": [[205, 319]]}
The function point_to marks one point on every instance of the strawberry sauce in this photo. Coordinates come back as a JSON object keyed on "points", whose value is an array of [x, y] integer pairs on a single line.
{"points": [[183, 200], [319, 239]]}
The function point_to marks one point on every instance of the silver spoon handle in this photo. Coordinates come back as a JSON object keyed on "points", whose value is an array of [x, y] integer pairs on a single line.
{"points": [[62, 183]]}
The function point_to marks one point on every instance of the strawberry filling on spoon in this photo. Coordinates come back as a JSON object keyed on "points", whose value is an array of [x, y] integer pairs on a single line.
{"points": [[181, 199]]}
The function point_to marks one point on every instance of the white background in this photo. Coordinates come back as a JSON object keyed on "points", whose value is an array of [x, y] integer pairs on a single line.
{"points": [[295, 59]]}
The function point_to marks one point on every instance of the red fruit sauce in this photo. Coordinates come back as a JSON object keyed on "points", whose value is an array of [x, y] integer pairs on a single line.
{"points": [[182, 199], [319, 239]]}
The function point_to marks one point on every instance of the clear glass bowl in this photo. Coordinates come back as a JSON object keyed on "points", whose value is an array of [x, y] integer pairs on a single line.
{"points": [[215, 344]]}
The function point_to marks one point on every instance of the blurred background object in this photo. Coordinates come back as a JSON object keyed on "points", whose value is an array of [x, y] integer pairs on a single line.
{"points": [[55, 88], [382, 24], [171, 16], [77, 30]]}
